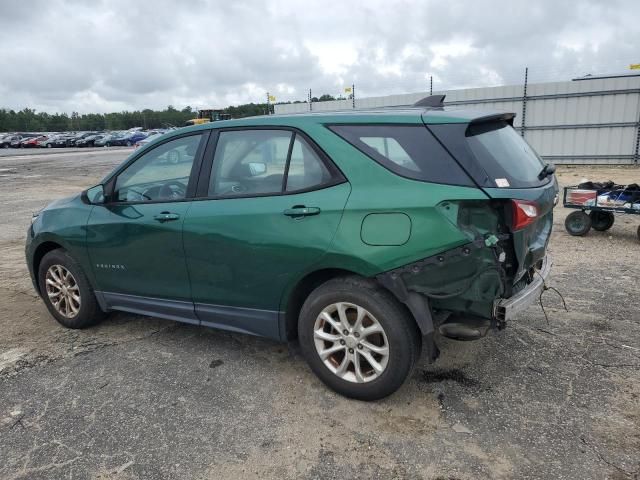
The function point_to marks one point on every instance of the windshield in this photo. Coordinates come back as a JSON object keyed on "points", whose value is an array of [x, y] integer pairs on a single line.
{"points": [[506, 157]]}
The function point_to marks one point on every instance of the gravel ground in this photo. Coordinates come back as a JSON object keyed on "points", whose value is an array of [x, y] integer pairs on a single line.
{"points": [[140, 397]]}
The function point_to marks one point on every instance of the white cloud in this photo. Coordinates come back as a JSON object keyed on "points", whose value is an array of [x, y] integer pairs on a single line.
{"points": [[70, 55]]}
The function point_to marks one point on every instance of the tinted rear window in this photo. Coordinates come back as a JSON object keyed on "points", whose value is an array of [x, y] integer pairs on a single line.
{"points": [[407, 150], [506, 157]]}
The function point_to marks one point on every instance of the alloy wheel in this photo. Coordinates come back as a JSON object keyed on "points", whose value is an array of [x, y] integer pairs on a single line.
{"points": [[63, 291], [351, 342]]}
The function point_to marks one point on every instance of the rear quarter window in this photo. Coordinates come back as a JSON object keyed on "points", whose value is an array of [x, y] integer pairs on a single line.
{"points": [[493, 153], [410, 151], [506, 157]]}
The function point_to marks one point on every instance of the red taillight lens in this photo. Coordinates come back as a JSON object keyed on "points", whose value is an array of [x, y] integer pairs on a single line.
{"points": [[524, 213]]}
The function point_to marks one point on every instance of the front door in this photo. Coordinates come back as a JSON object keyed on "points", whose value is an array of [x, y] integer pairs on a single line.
{"points": [[135, 239], [273, 206]]}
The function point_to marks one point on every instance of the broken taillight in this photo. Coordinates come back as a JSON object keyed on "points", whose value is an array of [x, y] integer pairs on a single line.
{"points": [[524, 213]]}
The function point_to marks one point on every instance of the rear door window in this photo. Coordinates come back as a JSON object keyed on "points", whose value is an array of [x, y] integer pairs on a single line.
{"points": [[410, 151], [267, 162], [306, 169], [249, 162]]}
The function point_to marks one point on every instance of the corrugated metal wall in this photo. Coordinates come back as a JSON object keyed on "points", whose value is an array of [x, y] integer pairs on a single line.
{"points": [[594, 121]]}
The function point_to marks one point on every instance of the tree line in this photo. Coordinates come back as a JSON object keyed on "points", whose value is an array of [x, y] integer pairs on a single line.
{"points": [[29, 120]]}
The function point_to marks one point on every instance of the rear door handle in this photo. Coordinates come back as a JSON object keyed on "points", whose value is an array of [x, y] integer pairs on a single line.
{"points": [[301, 211], [166, 217]]}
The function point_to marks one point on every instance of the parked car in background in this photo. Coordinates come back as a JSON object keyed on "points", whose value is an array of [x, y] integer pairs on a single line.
{"points": [[150, 138], [71, 142], [103, 140], [7, 140], [53, 140], [88, 141], [32, 142], [45, 140], [127, 140], [60, 141], [17, 141], [360, 233]]}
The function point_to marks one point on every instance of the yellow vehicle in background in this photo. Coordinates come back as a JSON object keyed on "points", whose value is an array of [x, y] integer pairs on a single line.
{"points": [[208, 115]]}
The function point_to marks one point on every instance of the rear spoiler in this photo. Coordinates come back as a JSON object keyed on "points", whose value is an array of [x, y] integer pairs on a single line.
{"points": [[437, 101], [496, 117]]}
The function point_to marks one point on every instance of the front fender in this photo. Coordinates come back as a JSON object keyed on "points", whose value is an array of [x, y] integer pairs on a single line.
{"points": [[63, 224]]}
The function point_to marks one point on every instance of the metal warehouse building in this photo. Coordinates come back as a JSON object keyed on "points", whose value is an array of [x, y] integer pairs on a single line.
{"points": [[589, 120]]}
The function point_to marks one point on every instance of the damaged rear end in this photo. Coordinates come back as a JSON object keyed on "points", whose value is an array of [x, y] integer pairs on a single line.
{"points": [[466, 291]]}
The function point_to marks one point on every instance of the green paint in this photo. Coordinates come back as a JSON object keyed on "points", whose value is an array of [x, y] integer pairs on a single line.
{"points": [[245, 252], [386, 229]]}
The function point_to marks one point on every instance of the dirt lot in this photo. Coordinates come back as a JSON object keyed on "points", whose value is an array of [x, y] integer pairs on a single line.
{"points": [[141, 397]]}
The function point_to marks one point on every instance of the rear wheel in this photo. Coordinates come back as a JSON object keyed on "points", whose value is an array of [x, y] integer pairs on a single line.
{"points": [[578, 223], [357, 338], [66, 291], [638, 232], [602, 221]]}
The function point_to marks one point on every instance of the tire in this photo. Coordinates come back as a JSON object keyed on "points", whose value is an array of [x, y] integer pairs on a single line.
{"points": [[602, 221], [54, 264], [638, 232], [577, 224], [399, 334]]}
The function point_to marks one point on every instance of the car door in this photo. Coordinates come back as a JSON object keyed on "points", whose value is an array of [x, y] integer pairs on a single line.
{"points": [[271, 205], [135, 238]]}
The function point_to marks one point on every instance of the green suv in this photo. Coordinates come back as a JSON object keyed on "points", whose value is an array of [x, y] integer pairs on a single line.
{"points": [[364, 234]]}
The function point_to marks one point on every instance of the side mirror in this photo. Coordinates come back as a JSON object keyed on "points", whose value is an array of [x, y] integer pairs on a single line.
{"points": [[257, 168], [94, 195]]}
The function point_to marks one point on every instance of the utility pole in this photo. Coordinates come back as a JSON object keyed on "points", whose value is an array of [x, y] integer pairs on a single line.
{"points": [[430, 84], [353, 95], [310, 104], [268, 107], [524, 101]]}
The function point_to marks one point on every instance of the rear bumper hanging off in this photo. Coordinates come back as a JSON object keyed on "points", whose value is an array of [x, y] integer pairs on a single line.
{"points": [[507, 308]]}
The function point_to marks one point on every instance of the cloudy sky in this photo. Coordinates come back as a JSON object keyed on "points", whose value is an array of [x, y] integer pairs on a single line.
{"points": [[111, 55]]}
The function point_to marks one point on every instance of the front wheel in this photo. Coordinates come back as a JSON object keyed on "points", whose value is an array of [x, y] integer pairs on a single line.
{"points": [[357, 338], [66, 291], [578, 223]]}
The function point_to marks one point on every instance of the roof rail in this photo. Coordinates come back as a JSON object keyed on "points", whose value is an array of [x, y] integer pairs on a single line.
{"points": [[434, 101]]}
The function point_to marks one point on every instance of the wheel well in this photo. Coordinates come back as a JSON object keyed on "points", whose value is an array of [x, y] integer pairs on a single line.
{"points": [[300, 293], [40, 252]]}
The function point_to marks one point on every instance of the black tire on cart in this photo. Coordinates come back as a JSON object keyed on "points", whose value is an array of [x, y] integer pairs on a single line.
{"points": [[578, 224], [602, 221]]}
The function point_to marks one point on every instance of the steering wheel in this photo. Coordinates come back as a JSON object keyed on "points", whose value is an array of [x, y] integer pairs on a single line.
{"points": [[173, 190]]}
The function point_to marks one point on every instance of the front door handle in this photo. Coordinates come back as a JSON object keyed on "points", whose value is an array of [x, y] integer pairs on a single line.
{"points": [[166, 217], [301, 211]]}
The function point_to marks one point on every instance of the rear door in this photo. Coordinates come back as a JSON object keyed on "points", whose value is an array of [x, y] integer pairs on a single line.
{"points": [[270, 205]]}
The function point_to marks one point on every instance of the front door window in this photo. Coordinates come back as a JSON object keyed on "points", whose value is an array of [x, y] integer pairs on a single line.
{"points": [[162, 174]]}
